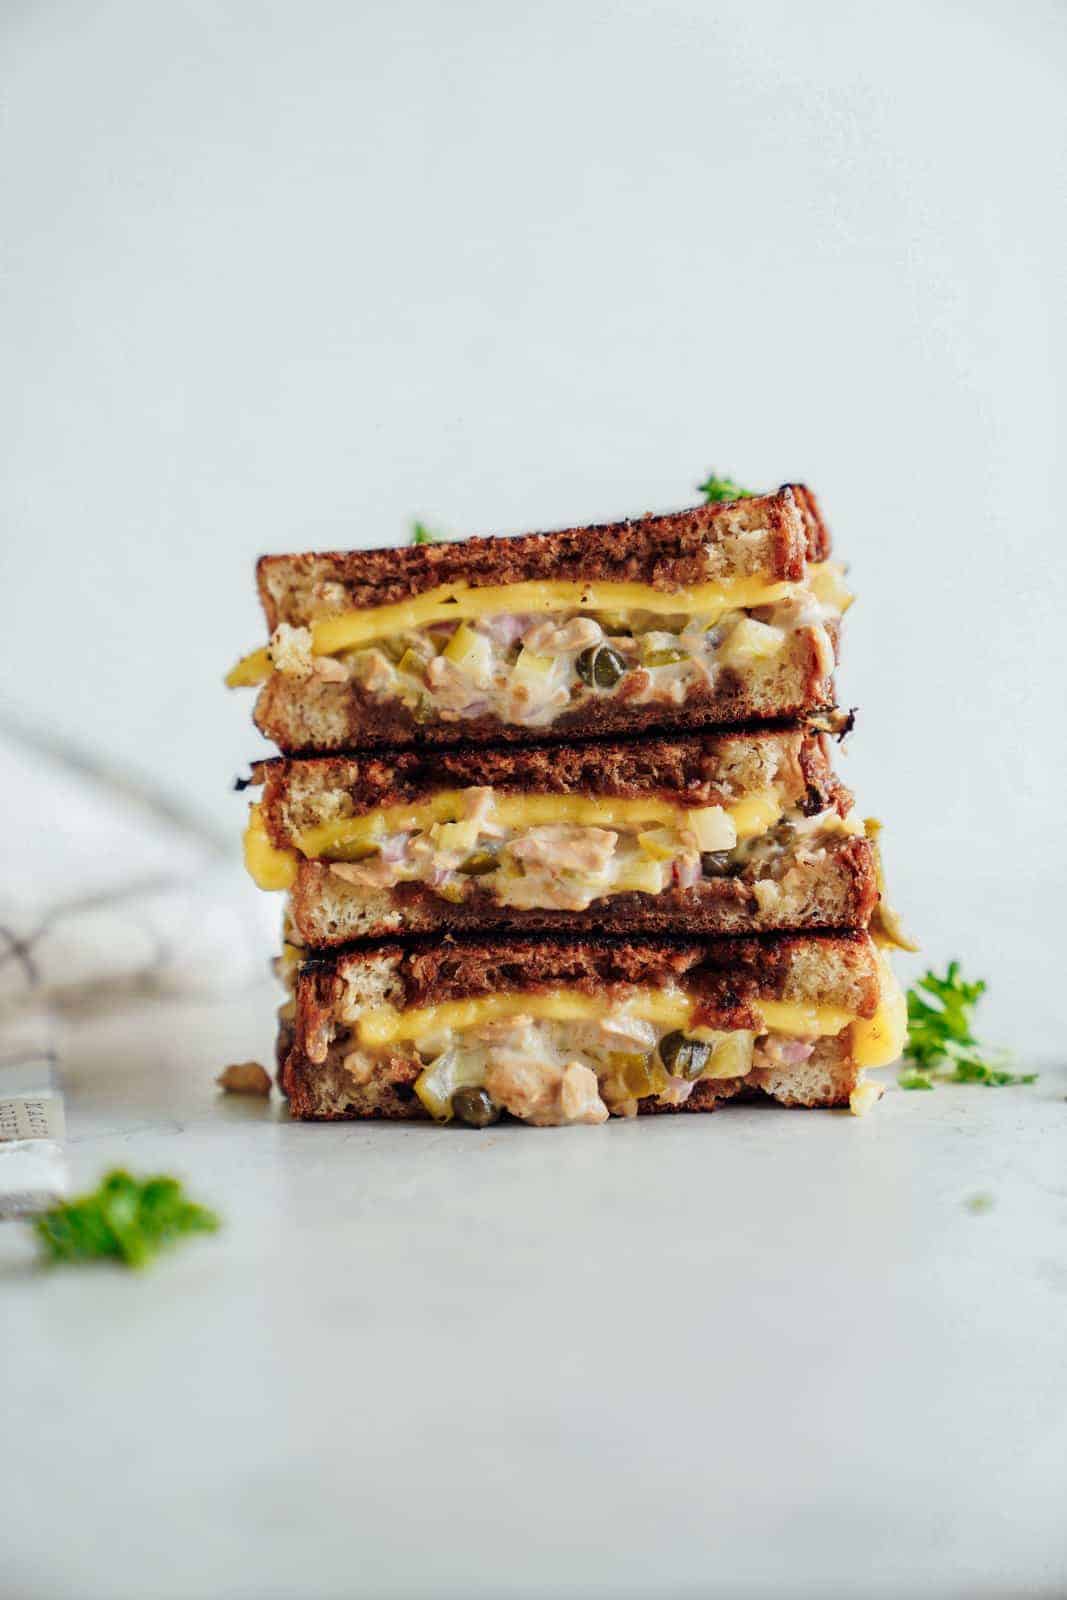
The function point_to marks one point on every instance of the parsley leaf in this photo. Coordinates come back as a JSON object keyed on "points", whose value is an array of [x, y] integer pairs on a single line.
{"points": [[716, 490], [126, 1219], [941, 1045], [421, 534]]}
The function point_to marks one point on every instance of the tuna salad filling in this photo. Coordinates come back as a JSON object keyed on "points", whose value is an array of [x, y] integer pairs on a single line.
{"points": [[568, 866], [527, 670], [550, 1073]]}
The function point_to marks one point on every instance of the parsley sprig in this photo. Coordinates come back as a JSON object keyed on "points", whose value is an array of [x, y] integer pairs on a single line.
{"points": [[716, 490], [421, 534], [941, 1045], [125, 1219]]}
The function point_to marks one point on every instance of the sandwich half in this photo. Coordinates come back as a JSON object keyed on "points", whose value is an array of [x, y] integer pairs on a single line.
{"points": [[554, 1031], [710, 833], [721, 614]]}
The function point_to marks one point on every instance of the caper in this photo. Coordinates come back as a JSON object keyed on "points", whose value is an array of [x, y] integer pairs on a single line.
{"points": [[682, 1057], [717, 863], [474, 1107], [478, 863], [600, 666]]}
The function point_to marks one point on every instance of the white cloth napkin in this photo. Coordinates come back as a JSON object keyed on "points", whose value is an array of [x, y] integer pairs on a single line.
{"points": [[106, 895]]}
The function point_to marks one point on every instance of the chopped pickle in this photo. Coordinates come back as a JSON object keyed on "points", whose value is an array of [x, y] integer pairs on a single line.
{"points": [[749, 640], [661, 844], [479, 863], [437, 1085], [461, 644], [469, 649], [531, 666], [600, 666], [684, 1057], [352, 850], [413, 665], [731, 1056], [713, 827], [642, 1075], [473, 1106], [453, 892], [663, 658]]}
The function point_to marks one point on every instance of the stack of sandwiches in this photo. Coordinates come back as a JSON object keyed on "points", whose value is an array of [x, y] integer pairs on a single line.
{"points": [[558, 825]]}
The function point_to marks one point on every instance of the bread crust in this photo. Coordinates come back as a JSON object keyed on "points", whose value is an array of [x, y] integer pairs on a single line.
{"points": [[310, 716], [692, 770], [775, 534]]}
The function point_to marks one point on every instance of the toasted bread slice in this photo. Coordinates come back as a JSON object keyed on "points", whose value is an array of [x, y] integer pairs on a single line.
{"points": [[716, 615], [543, 812], [774, 536], [534, 1026]]}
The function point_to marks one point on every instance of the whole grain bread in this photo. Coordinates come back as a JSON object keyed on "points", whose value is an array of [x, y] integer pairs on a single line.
{"points": [[838, 891], [774, 534], [695, 770]]}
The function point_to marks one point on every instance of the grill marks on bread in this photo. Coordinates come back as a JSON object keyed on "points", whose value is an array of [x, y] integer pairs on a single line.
{"points": [[776, 534], [709, 769]]}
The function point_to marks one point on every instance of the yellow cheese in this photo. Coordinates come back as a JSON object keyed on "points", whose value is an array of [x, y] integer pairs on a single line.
{"points": [[457, 602], [270, 867], [827, 579], [670, 1008], [750, 816], [807, 1022], [879, 1040], [756, 813]]}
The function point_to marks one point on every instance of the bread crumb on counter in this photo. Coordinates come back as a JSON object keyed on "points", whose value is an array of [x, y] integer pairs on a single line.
{"points": [[244, 1077]]}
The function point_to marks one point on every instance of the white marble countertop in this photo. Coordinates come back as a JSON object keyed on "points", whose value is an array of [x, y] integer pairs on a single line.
{"points": [[758, 1352]]}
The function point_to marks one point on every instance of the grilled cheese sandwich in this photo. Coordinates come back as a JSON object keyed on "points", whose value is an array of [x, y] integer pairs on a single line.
{"points": [[730, 612], [649, 1027], [714, 832]]}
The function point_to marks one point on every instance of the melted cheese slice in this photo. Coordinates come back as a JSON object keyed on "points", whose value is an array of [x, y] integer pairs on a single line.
{"points": [[270, 867], [516, 812], [458, 602], [874, 1041], [274, 868], [670, 1008], [879, 1040]]}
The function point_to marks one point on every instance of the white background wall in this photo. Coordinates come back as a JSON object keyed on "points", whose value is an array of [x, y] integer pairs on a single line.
{"points": [[285, 275]]}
